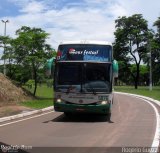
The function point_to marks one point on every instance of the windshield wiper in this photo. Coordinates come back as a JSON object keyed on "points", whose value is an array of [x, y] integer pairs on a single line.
{"points": [[92, 89], [94, 92], [69, 89]]}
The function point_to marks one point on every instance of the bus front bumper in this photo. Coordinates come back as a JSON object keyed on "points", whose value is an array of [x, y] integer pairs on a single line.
{"points": [[76, 108]]}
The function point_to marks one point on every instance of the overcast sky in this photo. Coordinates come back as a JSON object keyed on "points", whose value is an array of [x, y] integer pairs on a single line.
{"points": [[73, 19]]}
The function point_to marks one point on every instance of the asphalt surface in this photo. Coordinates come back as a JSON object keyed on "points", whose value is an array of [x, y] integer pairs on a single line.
{"points": [[133, 124]]}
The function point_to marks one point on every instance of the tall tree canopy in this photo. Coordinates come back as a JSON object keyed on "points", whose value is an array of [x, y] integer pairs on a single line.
{"points": [[31, 49], [156, 52], [131, 37], [5, 44]]}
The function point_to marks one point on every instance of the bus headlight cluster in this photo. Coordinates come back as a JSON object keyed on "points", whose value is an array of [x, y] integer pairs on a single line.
{"points": [[104, 102], [59, 100]]}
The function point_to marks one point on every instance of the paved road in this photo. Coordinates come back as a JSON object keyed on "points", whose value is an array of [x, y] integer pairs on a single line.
{"points": [[133, 124]]}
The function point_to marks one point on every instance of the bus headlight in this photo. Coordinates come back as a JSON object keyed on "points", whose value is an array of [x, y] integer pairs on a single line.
{"points": [[59, 100], [104, 102]]}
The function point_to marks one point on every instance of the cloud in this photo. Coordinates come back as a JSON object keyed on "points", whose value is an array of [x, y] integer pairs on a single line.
{"points": [[34, 7], [20, 3], [76, 19], [89, 22], [149, 9], [75, 24], [68, 23], [30, 6]]}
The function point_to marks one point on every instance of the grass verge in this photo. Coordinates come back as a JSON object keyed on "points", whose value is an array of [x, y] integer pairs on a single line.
{"points": [[155, 93], [38, 104], [44, 97]]}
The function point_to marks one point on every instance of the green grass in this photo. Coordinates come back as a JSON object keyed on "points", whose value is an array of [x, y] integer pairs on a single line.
{"points": [[42, 91], [38, 104], [44, 97], [155, 93]]}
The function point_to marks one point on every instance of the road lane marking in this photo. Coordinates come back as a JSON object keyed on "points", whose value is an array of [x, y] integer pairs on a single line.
{"points": [[156, 140], [157, 132], [26, 119]]}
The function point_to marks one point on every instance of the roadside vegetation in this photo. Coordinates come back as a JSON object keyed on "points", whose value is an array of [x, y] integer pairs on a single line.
{"points": [[142, 90], [38, 104], [44, 96], [134, 45]]}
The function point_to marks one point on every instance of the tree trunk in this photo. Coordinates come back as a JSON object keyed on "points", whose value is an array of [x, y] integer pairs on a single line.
{"points": [[35, 81], [136, 84], [35, 86], [137, 77]]}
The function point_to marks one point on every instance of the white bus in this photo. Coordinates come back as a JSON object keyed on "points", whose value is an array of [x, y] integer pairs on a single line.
{"points": [[83, 77]]}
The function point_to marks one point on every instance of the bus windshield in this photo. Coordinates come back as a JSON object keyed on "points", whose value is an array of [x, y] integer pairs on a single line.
{"points": [[84, 52], [83, 77]]}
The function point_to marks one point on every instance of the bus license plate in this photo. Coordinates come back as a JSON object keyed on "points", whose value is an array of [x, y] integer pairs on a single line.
{"points": [[80, 109]]}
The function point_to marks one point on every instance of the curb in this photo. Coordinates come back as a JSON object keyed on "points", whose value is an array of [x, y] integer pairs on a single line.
{"points": [[8, 118], [139, 96]]}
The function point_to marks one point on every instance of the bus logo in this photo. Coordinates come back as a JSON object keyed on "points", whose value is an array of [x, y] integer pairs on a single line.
{"points": [[71, 50], [59, 54]]}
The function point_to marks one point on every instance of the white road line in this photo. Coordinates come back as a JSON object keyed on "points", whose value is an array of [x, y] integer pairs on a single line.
{"points": [[156, 140], [157, 132], [26, 119]]}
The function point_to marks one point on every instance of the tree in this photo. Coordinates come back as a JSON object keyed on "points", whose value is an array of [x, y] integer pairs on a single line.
{"points": [[144, 73], [5, 44], [120, 54], [2, 41], [31, 50], [155, 47], [131, 41]]}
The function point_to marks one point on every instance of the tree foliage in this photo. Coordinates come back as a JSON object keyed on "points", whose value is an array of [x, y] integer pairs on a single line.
{"points": [[131, 37], [31, 50], [156, 52], [27, 53]]}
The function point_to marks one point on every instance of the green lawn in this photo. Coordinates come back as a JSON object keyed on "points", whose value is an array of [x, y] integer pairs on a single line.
{"points": [[42, 91], [38, 104], [44, 96], [155, 93]]}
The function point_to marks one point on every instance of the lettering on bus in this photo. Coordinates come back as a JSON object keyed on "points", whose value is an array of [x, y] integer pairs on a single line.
{"points": [[80, 97], [84, 52], [72, 51]]}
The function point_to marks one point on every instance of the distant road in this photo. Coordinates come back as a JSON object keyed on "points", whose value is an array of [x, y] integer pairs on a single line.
{"points": [[133, 125]]}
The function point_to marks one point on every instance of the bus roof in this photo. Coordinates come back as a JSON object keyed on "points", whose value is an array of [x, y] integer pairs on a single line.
{"points": [[95, 42]]}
